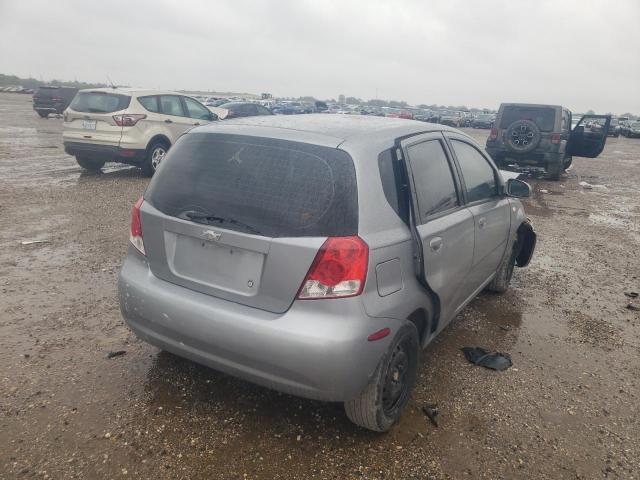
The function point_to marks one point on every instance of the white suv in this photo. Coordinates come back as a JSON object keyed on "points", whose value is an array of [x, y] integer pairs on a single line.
{"points": [[136, 127]]}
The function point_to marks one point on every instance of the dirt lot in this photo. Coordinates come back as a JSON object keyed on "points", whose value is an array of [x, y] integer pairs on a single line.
{"points": [[567, 409]]}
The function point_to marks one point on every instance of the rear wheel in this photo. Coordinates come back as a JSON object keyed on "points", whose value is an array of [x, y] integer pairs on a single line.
{"points": [[43, 114], [155, 155], [90, 164], [381, 403]]}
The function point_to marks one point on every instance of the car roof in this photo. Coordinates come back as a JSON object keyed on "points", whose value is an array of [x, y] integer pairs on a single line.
{"points": [[321, 128], [530, 105], [133, 91]]}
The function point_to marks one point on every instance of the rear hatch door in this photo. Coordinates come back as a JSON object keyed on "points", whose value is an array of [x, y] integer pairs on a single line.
{"points": [[242, 218], [89, 118]]}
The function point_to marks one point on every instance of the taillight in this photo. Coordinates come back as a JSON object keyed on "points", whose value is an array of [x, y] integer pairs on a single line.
{"points": [[128, 119], [339, 269], [135, 237], [494, 134], [555, 138]]}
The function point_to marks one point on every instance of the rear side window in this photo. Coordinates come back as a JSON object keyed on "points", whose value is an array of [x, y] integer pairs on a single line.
{"points": [[275, 187], [150, 103], [479, 176], [99, 102], [432, 178], [543, 117]]}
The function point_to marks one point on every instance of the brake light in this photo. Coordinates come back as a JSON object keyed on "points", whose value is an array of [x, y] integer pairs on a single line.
{"points": [[339, 269], [128, 119], [555, 138], [135, 237], [494, 134]]}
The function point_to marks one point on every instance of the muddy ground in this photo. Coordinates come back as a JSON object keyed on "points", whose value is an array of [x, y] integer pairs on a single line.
{"points": [[567, 409]]}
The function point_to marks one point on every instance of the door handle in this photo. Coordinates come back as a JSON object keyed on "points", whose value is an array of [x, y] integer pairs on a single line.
{"points": [[482, 222], [435, 244], [168, 120]]}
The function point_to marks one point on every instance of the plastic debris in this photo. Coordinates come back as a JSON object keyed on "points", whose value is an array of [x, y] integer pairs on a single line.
{"points": [[431, 411], [116, 353], [488, 359]]}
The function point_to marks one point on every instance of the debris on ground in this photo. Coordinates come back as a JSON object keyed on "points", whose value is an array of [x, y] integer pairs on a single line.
{"points": [[431, 411], [32, 242], [633, 308], [506, 328], [488, 359], [116, 353], [631, 294], [586, 185], [543, 190]]}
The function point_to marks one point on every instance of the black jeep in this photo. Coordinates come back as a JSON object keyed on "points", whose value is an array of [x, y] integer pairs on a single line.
{"points": [[52, 99], [530, 135]]}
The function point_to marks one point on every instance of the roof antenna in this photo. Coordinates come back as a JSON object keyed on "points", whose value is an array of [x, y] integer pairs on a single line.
{"points": [[112, 85]]}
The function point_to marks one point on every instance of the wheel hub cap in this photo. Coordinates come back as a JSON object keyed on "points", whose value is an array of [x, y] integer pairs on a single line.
{"points": [[157, 156]]}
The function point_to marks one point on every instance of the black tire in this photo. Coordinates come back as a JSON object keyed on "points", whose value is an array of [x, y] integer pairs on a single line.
{"points": [[154, 157], [523, 136], [616, 135], [382, 401], [501, 281], [43, 114], [90, 164]]}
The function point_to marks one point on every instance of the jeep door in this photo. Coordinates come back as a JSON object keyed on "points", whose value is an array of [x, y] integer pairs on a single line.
{"points": [[489, 207], [588, 141], [443, 226]]}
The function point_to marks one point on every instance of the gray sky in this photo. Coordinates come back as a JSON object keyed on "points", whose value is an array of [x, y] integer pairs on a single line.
{"points": [[579, 53]]}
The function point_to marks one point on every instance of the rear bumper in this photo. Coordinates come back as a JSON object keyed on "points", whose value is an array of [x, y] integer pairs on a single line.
{"points": [[317, 349], [500, 155], [108, 153]]}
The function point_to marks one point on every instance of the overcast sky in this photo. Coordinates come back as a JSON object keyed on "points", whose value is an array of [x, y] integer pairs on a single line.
{"points": [[579, 53]]}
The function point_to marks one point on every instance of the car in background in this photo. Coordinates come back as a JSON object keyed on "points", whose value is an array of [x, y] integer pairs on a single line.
{"points": [[398, 113], [136, 127], [240, 109], [540, 136], [321, 106], [632, 129], [614, 128], [452, 119], [288, 108], [215, 102], [483, 120], [279, 253], [52, 99]]}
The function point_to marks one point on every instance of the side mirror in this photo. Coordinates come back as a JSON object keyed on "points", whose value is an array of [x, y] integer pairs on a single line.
{"points": [[518, 188], [213, 116]]}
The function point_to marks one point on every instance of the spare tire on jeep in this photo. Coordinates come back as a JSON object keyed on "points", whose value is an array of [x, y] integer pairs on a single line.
{"points": [[523, 136]]}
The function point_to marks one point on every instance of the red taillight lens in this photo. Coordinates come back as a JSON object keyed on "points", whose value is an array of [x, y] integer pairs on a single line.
{"points": [[128, 120], [555, 138], [494, 134], [135, 237], [339, 269]]}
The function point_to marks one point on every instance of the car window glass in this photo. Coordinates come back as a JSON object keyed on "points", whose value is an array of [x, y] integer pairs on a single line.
{"points": [[391, 179], [543, 117], [432, 178], [479, 176], [149, 103], [171, 105], [196, 110], [263, 110]]}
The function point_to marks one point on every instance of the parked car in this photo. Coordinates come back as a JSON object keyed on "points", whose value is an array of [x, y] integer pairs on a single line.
{"points": [[321, 106], [632, 129], [288, 108], [240, 109], [135, 127], [614, 128], [274, 252], [540, 136], [484, 120], [399, 113], [452, 119], [52, 99]]}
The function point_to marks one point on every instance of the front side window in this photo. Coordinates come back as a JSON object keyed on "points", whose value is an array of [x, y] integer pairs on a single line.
{"points": [[432, 178], [196, 110], [479, 176], [171, 105]]}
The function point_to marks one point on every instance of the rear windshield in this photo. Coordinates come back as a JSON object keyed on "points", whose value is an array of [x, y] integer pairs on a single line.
{"points": [[543, 117], [99, 102], [275, 188]]}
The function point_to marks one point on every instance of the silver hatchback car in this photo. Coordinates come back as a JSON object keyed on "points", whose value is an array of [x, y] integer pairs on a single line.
{"points": [[317, 254]]}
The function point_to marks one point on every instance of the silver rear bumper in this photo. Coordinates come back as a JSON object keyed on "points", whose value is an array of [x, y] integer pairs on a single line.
{"points": [[317, 349]]}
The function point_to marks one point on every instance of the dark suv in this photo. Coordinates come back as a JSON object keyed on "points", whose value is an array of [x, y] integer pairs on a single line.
{"points": [[51, 99], [531, 135]]}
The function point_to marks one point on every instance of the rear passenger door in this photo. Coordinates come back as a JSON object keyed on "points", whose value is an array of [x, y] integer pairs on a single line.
{"points": [[175, 117], [490, 209], [444, 226]]}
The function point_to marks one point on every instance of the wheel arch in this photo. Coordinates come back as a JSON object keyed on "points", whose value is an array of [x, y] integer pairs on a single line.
{"points": [[159, 138]]}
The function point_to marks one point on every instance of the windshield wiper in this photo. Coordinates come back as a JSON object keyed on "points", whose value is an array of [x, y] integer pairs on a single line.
{"points": [[208, 219]]}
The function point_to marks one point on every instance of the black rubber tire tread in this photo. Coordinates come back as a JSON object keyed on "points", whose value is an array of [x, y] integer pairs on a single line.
{"points": [[90, 164], [366, 409], [501, 281], [43, 114]]}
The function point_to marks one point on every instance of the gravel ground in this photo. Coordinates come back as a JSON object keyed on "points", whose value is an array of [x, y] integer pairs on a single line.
{"points": [[567, 409]]}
